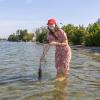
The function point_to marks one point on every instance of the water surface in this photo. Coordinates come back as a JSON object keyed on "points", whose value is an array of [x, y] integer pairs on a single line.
{"points": [[19, 64]]}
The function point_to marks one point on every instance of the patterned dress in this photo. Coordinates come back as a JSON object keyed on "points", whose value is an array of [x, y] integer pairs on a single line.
{"points": [[63, 53]]}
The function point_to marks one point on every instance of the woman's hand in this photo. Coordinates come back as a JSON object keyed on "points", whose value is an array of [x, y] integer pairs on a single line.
{"points": [[58, 43], [65, 43], [55, 43]]}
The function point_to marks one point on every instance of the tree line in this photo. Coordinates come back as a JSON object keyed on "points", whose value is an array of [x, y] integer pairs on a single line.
{"points": [[21, 35], [77, 35]]}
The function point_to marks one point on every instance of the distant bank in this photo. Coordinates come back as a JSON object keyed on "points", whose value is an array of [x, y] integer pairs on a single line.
{"points": [[3, 39]]}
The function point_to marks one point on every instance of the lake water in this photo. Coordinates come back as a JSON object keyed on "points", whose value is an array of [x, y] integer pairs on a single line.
{"points": [[19, 63]]}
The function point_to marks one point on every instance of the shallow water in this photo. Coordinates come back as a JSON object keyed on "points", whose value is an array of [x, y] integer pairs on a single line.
{"points": [[19, 64]]}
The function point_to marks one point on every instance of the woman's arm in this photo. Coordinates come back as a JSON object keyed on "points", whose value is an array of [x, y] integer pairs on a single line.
{"points": [[53, 43], [65, 43]]}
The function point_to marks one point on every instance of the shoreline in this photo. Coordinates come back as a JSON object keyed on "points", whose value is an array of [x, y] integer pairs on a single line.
{"points": [[80, 47], [74, 47]]}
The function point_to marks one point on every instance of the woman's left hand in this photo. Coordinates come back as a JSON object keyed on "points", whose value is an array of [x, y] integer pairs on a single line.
{"points": [[58, 43], [53, 43]]}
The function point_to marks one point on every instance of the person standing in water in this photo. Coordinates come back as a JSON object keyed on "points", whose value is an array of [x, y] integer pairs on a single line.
{"points": [[58, 38]]}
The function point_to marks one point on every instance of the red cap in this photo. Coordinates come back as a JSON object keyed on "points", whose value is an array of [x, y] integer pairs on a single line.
{"points": [[51, 22]]}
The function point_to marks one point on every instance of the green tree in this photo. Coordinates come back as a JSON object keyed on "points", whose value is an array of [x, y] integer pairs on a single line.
{"points": [[75, 34], [79, 35], [21, 35], [12, 37], [93, 36], [41, 34], [69, 29]]}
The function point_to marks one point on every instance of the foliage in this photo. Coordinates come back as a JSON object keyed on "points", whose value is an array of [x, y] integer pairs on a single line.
{"points": [[75, 34], [21, 35], [93, 36], [41, 34], [13, 37]]}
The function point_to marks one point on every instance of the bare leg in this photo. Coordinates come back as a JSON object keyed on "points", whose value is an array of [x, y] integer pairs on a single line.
{"points": [[60, 76], [62, 73]]}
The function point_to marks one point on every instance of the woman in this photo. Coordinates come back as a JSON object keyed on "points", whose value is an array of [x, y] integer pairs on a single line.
{"points": [[57, 37]]}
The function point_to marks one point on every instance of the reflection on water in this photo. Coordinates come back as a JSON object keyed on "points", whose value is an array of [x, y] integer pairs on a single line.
{"points": [[19, 64], [59, 92]]}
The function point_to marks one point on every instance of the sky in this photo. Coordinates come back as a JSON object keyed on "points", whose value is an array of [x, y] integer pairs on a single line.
{"points": [[31, 14]]}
